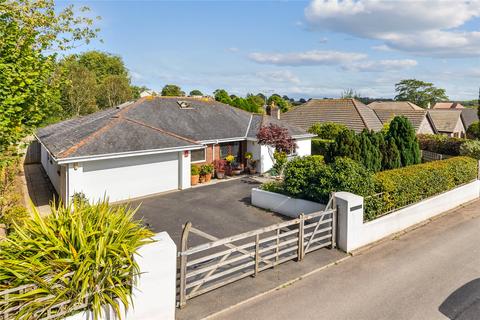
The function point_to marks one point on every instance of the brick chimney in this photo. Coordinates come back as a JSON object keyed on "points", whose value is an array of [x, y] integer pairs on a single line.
{"points": [[273, 110]]}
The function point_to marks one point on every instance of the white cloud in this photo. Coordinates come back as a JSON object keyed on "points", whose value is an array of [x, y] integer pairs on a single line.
{"points": [[423, 27], [279, 76], [233, 49], [308, 58], [381, 65]]}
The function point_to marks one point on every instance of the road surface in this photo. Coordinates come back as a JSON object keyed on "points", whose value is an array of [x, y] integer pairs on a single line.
{"points": [[432, 272]]}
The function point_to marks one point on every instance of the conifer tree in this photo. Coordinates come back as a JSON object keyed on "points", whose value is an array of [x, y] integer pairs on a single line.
{"points": [[403, 134]]}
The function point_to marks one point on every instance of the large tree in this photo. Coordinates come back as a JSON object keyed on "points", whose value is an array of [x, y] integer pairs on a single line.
{"points": [[32, 32], [419, 92], [113, 91], [172, 90], [284, 105]]}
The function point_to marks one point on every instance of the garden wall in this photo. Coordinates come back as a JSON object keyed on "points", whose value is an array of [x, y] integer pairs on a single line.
{"points": [[154, 297], [354, 233], [285, 205]]}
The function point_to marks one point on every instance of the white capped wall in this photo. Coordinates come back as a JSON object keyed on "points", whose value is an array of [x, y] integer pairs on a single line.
{"points": [[125, 178]]}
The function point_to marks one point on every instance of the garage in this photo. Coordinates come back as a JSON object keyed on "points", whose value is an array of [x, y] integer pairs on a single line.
{"points": [[125, 178]]}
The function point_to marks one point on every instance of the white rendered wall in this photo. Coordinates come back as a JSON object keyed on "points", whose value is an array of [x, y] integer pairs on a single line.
{"points": [[287, 206], [51, 168], [184, 163], [125, 178], [255, 150], [304, 147], [154, 297], [353, 233]]}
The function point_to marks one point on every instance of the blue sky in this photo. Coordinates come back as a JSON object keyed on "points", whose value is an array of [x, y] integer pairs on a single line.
{"points": [[313, 48]]}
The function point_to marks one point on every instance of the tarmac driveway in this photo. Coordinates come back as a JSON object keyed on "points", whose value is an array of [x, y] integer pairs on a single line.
{"points": [[222, 209]]}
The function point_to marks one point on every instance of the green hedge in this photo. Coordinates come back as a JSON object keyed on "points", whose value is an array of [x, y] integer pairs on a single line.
{"points": [[320, 146], [440, 144], [401, 187]]}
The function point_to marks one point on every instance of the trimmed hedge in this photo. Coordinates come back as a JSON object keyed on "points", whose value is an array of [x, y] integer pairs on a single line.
{"points": [[440, 144], [320, 146], [401, 187], [470, 148]]}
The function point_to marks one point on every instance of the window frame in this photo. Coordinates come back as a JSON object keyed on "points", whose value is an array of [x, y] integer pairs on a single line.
{"points": [[204, 155]]}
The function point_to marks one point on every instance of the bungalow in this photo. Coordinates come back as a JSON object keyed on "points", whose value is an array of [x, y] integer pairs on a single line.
{"points": [[448, 122], [418, 116], [147, 146], [349, 112]]}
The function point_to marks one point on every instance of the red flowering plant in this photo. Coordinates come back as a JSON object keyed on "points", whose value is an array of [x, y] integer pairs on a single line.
{"points": [[280, 141]]}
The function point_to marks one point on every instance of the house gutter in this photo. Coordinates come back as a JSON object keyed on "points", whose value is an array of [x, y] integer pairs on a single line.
{"points": [[128, 154]]}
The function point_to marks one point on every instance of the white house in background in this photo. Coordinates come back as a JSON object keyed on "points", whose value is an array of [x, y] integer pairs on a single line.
{"points": [[147, 146]]}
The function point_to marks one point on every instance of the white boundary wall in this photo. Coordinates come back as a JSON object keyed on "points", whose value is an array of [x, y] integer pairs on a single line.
{"points": [[287, 206], [154, 297], [353, 233]]}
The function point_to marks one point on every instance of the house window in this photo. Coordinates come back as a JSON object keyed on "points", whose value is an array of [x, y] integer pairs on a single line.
{"points": [[198, 155], [232, 148]]}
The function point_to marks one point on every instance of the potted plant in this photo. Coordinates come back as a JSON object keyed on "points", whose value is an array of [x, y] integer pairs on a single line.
{"points": [[220, 166], [206, 172], [230, 159], [252, 166], [236, 169], [194, 174]]}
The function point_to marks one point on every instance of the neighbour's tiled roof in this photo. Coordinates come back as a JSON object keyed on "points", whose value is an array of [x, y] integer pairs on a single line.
{"points": [[151, 123], [416, 117], [448, 105], [469, 116], [445, 120], [349, 112], [393, 105]]}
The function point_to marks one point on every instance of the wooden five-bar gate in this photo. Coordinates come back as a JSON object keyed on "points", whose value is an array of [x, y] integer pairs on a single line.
{"points": [[211, 265]]}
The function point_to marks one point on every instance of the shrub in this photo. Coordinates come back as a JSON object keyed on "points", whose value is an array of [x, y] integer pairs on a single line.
{"points": [[346, 145], [300, 173], [473, 131], [471, 148], [11, 203], [400, 187], [402, 133], [280, 162], [273, 186], [320, 146], [194, 170], [311, 179], [219, 165], [327, 130], [390, 155], [370, 152], [96, 243], [440, 144]]}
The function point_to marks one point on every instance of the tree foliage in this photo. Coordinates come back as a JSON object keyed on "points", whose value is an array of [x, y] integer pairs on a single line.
{"points": [[276, 137], [196, 93], [403, 134], [327, 130], [281, 103], [31, 33], [172, 90], [419, 92], [113, 91]]}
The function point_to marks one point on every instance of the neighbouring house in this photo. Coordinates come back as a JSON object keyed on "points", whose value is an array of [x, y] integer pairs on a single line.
{"points": [[349, 112], [448, 122], [448, 105], [469, 116], [147, 146], [418, 116]]}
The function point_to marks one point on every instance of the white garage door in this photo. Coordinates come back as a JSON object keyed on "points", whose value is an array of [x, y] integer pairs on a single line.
{"points": [[131, 177]]}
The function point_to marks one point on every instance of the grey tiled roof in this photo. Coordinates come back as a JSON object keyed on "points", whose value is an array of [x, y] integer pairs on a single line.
{"points": [[151, 123], [349, 112], [445, 120], [259, 120], [469, 116]]}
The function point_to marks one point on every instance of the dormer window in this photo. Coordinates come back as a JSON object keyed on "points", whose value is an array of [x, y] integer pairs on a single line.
{"points": [[184, 104]]}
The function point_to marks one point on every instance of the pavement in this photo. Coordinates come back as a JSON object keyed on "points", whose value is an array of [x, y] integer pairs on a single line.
{"points": [[431, 272], [38, 187], [221, 209]]}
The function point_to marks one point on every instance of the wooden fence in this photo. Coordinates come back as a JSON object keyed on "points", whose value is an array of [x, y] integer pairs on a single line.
{"points": [[59, 310], [209, 266]]}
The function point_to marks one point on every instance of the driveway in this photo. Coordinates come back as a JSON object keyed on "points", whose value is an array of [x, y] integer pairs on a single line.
{"points": [[222, 209]]}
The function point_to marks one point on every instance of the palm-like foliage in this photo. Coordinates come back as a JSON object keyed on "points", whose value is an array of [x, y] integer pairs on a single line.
{"points": [[78, 254]]}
